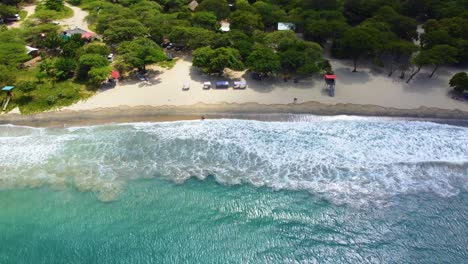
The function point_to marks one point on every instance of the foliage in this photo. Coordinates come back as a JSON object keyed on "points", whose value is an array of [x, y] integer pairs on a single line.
{"points": [[192, 37], [94, 48], [246, 21], [356, 43], [323, 30], [459, 82], [56, 5], [140, 52], [87, 62], [219, 7], [7, 10], [97, 75], [7, 75], [263, 60], [55, 11], [12, 49], [216, 60], [59, 69], [270, 14], [32, 97], [123, 30], [205, 20]]}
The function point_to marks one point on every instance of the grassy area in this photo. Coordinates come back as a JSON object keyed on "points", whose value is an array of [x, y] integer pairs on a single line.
{"points": [[47, 96], [168, 64], [23, 14], [32, 96], [66, 12]]}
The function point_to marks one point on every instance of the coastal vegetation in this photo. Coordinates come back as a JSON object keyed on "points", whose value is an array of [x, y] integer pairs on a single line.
{"points": [[459, 82], [268, 38]]}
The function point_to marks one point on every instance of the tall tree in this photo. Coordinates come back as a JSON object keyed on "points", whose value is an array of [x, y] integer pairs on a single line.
{"points": [[436, 56], [56, 5], [246, 21], [123, 30], [88, 62], [216, 60], [219, 7], [459, 82], [356, 43], [263, 60], [442, 54], [140, 52], [400, 52]]}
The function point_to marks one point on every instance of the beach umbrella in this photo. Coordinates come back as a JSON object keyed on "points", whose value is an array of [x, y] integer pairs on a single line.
{"points": [[115, 74]]}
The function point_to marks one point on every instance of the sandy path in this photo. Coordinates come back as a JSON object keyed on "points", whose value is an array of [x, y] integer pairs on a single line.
{"points": [[30, 9], [77, 20], [364, 88]]}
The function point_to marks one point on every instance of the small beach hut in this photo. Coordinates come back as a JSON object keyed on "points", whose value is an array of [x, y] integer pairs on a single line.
{"points": [[330, 82]]}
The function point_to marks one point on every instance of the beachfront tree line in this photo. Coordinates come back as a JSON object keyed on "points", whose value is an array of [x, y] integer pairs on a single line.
{"points": [[379, 31]]}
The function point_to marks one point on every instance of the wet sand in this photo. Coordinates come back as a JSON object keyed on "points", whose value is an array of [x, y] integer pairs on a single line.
{"points": [[210, 111]]}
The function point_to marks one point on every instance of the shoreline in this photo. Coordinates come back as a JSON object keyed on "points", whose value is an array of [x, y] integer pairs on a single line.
{"points": [[254, 111]]}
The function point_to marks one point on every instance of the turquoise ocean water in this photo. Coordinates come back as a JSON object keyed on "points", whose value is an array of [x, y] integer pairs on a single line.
{"points": [[325, 190]]}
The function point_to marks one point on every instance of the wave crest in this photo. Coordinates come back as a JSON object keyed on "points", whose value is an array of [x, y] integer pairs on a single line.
{"points": [[345, 161]]}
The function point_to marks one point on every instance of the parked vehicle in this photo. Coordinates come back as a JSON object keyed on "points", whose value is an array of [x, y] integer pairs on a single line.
{"points": [[16, 17], [222, 85]]}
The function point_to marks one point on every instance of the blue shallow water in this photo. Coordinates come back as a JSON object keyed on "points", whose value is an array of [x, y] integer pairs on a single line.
{"points": [[335, 190]]}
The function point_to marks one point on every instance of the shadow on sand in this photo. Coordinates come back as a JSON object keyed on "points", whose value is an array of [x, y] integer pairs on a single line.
{"points": [[346, 75]]}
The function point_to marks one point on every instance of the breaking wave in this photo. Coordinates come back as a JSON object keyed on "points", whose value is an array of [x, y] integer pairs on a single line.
{"points": [[353, 161]]}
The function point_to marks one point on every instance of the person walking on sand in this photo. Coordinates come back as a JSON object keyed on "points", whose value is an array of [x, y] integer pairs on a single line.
{"points": [[295, 100]]}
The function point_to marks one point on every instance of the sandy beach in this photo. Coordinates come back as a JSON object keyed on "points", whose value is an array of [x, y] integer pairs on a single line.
{"points": [[366, 87], [367, 92]]}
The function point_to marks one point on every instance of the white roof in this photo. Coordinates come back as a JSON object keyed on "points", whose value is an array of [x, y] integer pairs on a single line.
{"points": [[31, 49], [286, 26], [225, 26], [193, 5]]}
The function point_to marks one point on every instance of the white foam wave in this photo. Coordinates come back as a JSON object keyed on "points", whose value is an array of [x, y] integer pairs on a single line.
{"points": [[345, 161]]}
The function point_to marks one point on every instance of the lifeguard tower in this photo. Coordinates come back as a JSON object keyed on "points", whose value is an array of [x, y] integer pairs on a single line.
{"points": [[8, 90], [330, 82]]}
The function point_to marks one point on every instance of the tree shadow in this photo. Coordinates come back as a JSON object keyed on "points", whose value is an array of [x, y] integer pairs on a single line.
{"points": [[421, 83], [107, 86], [345, 75]]}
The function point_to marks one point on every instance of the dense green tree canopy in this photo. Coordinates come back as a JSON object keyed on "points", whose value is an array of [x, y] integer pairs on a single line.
{"points": [[263, 60], [216, 60], [123, 30], [356, 43], [219, 7], [459, 82], [140, 52]]}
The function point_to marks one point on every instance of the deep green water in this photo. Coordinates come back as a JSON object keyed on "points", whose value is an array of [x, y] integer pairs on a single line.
{"points": [[232, 191], [157, 221]]}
